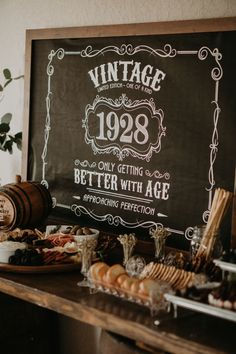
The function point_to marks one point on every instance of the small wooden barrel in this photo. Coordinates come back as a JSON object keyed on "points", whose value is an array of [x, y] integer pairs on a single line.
{"points": [[23, 204]]}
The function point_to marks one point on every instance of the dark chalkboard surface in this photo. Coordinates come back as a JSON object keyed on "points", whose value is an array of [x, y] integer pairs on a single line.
{"points": [[129, 131]]}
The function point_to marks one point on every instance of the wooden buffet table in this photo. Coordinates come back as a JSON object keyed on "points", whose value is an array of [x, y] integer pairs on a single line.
{"points": [[189, 333]]}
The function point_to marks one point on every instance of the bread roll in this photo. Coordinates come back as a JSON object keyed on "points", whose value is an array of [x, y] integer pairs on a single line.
{"points": [[102, 272], [147, 287], [135, 286], [113, 273], [126, 284], [120, 279], [97, 271]]}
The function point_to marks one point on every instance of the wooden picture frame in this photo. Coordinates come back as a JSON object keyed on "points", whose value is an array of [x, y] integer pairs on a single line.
{"points": [[134, 31]]}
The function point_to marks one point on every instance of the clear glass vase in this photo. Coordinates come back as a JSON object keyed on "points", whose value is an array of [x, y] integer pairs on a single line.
{"points": [[196, 242], [160, 248], [86, 247], [159, 235], [128, 243]]}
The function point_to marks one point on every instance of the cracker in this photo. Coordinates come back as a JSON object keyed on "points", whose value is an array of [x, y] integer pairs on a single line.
{"points": [[179, 278], [170, 273], [164, 272], [175, 276], [158, 271], [188, 279], [183, 281], [152, 270]]}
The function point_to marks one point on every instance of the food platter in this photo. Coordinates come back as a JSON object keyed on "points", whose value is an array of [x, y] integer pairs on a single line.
{"points": [[57, 252], [226, 266], [52, 268], [154, 303], [201, 307]]}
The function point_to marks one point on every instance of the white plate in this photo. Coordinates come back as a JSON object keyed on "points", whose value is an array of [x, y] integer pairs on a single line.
{"points": [[200, 307], [231, 267]]}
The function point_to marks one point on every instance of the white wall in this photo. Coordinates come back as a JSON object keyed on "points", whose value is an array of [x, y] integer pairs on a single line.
{"points": [[18, 15]]}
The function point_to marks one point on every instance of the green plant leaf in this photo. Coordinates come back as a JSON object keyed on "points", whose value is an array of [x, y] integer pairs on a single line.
{"points": [[18, 77], [6, 118], [4, 128], [18, 135], [7, 82], [8, 146], [17, 139], [2, 139], [7, 74], [8, 141], [19, 144]]}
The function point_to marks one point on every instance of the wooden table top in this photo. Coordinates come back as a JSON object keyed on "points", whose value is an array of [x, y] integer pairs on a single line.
{"points": [[189, 333]]}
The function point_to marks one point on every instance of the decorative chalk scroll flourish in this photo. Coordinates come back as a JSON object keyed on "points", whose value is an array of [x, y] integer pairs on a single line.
{"points": [[117, 220], [157, 174], [112, 220], [59, 53], [189, 233], [128, 49], [85, 163]]}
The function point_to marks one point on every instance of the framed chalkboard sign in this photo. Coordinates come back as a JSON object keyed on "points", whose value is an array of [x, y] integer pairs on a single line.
{"points": [[132, 126]]}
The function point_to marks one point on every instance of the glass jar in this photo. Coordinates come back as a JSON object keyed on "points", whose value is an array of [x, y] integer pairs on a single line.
{"points": [[198, 232], [135, 265]]}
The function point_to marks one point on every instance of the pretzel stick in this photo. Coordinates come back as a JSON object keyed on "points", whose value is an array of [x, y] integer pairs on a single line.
{"points": [[224, 201], [220, 204], [211, 221], [227, 198], [214, 204]]}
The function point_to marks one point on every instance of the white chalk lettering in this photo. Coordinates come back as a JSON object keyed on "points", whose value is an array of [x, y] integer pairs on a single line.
{"points": [[90, 178], [100, 200], [131, 186], [137, 208], [130, 71], [130, 170], [157, 190]]}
